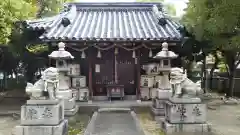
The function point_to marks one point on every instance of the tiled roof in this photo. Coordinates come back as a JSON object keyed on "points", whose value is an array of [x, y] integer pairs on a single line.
{"points": [[124, 21]]}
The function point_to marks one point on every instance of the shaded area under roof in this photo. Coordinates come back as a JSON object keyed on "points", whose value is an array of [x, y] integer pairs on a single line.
{"points": [[108, 21]]}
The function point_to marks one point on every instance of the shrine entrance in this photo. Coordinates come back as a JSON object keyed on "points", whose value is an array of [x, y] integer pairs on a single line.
{"points": [[114, 67]]}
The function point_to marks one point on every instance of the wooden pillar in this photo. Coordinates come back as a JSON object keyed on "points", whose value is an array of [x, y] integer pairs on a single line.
{"points": [[138, 69], [90, 84]]}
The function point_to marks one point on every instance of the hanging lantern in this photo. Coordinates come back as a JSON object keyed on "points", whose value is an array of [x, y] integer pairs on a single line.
{"points": [[99, 54], [150, 53], [83, 55], [134, 54], [116, 51]]}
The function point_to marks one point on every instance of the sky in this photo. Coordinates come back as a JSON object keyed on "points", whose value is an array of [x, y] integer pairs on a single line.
{"points": [[179, 4]]}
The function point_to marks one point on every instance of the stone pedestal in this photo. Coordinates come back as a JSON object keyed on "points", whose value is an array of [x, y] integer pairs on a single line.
{"points": [[70, 107], [158, 105], [42, 117], [185, 115]]}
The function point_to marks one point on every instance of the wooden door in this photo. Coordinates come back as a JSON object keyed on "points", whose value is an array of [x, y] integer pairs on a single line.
{"points": [[126, 71], [105, 74]]}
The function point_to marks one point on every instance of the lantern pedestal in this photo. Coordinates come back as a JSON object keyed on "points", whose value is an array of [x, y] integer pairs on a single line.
{"points": [[158, 104]]}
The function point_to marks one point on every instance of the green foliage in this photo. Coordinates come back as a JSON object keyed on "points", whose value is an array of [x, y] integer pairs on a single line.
{"points": [[222, 67], [37, 48], [215, 20], [50, 7], [74, 131], [10, 12]]}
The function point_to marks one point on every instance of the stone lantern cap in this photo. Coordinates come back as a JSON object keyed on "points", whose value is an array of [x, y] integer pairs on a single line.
{"points": [[61, 53], [165, 54]]}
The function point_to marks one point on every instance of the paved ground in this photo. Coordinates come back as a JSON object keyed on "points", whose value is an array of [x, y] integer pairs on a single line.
{"points": [[115, 123], [224, 118], [7, 124]]}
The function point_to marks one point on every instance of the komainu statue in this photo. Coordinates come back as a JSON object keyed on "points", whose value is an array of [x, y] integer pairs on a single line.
{"points": [[46, 87], [182, 86]]}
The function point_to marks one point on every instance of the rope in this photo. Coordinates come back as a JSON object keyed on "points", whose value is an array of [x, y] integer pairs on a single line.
{"points": [[112, 46]]}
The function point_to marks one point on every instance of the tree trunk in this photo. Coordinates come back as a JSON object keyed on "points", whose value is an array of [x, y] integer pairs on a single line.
{"points": [[231, 83], [212, 70], [204, 74], [230, 58]]}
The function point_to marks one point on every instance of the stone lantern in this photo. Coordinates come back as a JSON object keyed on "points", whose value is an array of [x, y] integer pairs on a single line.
{"points": [[165, 57], [164, 91], [62, 56]]}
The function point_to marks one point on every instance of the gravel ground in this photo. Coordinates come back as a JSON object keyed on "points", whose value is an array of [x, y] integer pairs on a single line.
{"points": [[150, 127], [7, 124]]}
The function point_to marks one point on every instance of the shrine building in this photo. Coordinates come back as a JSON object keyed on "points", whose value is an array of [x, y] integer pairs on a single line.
{"points": [[110, 41]]}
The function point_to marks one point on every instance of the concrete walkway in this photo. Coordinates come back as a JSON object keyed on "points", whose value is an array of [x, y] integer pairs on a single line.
{"points": [[225, 119], [114, 123]]}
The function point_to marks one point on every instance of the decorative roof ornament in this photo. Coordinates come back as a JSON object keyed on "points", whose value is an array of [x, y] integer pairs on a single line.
{"points": [[165, 53], [159, 15], [61, 53], [70, 16]]}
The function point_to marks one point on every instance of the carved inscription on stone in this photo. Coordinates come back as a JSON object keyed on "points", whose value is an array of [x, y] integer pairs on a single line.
{"points": [[38, 112], [181, 110], [196, 111]]}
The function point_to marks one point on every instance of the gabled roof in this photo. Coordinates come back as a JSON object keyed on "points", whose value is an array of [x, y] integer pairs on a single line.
{"points": [[111, 21]]}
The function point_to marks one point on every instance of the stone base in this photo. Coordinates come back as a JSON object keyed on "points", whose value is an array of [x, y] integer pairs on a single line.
{"points": [[71, 112], [42, 112], [164, 94], [139, 101], [60, 129], [158, 103], [185, 128], [64, 94], [69, 103], [157, 111], [159, 119], [185, 111]]}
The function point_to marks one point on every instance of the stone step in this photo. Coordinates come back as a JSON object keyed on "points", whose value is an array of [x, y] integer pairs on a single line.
{"points": [[113, 109]]}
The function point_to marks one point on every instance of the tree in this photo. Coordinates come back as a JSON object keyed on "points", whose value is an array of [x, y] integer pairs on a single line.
{"points": [[10, 12], [49, 7], [217, 21], [170, 8]]}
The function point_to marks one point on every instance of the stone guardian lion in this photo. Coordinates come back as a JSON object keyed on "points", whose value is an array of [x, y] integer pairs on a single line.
{"points": [[46, 87]]}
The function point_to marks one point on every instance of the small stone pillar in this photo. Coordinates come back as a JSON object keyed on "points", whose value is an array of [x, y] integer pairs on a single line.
{"points": [[61, 56], [164, 91]]}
